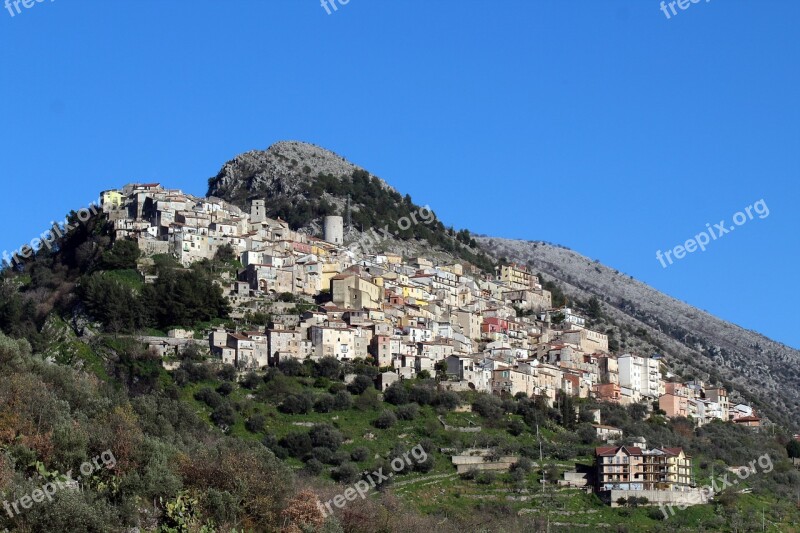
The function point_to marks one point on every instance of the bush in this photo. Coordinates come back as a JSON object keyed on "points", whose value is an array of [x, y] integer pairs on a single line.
{"points": [[368, 401], [421, 394], [321, 454], [208, 397], [328, 367], [485, 477], [296, 404], [360, 454], [359, 385], [227, 373], [271, 443], [408, 411], [426, 465], [516, 427], [342, 400], [396, 394], [122, 256], [291, 367], [448, 400], [470, 474], [793, 449], [251, 381], [487, 406], [224, 415], [225, 388], [298, 444], [313, 467], [523, 464], [324, 435], [346, 473], [256, 423], [325, 403], [587, 434], [386, 420]]}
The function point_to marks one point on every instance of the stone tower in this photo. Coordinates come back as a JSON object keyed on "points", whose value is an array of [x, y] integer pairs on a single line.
{"points": [[258, 211], [334, 230]]}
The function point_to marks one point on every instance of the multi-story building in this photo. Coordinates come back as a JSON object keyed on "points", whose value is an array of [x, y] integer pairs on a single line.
{"points": [[516, 276], [634, 468]]}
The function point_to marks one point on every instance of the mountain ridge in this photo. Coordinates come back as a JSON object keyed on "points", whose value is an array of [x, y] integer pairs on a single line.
{"points": [[698, 339]]}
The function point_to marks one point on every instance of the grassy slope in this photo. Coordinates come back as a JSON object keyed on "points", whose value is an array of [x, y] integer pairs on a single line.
{"points": [[443, 493]]}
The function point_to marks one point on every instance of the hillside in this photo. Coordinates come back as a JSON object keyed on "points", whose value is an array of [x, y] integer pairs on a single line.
{"points": [[302, 183], [704, 346], [205, 443]]}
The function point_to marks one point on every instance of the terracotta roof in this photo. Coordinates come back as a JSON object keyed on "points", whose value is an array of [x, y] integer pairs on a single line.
{"points": [[608, 451]]}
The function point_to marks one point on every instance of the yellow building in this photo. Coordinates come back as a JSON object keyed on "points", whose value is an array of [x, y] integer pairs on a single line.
{"points": [[516, 276], [112, 199]]}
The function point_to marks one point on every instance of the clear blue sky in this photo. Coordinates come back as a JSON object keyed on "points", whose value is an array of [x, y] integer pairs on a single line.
{"points": [[602, 126]]}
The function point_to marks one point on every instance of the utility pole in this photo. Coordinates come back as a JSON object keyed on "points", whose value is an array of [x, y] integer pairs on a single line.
{"points": [[347, 214]]}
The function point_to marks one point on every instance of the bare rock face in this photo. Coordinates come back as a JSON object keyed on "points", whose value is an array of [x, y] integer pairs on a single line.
{"points": [[280, 171], [760, 370]]}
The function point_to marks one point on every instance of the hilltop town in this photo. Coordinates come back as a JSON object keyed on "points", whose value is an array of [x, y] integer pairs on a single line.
{"points": [[496, 333]]}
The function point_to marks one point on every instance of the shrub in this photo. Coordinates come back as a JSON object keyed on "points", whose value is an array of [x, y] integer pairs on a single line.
{"points": [[359, 454], [408, 411], [346, 473], [368, 401], [251, 381], [325, 403], [469, 474], [421, 394], [224, 415], [291, 367], [342, 400], [396, 394], [386, 420], [793, 449], [321, 454], [448, 400], [298, 444], [271, 443], [523, 464], [326, 436], [516, 427], [426, 465], [313, 468], [328, 367], [225, 388], [487, 406], [256, 423], [296, 404], [485, 478], [359, 385], [227, 373], [208, 397]]}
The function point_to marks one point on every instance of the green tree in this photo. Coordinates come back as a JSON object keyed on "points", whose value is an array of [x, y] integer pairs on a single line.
{"points": [[122, 255], [793, 449]]}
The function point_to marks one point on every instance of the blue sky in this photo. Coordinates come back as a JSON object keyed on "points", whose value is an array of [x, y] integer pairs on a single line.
{"points": [[602, 126]]}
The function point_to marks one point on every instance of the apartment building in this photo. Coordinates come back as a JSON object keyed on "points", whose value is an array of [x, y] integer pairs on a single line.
{"points": [[634, 468]]}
